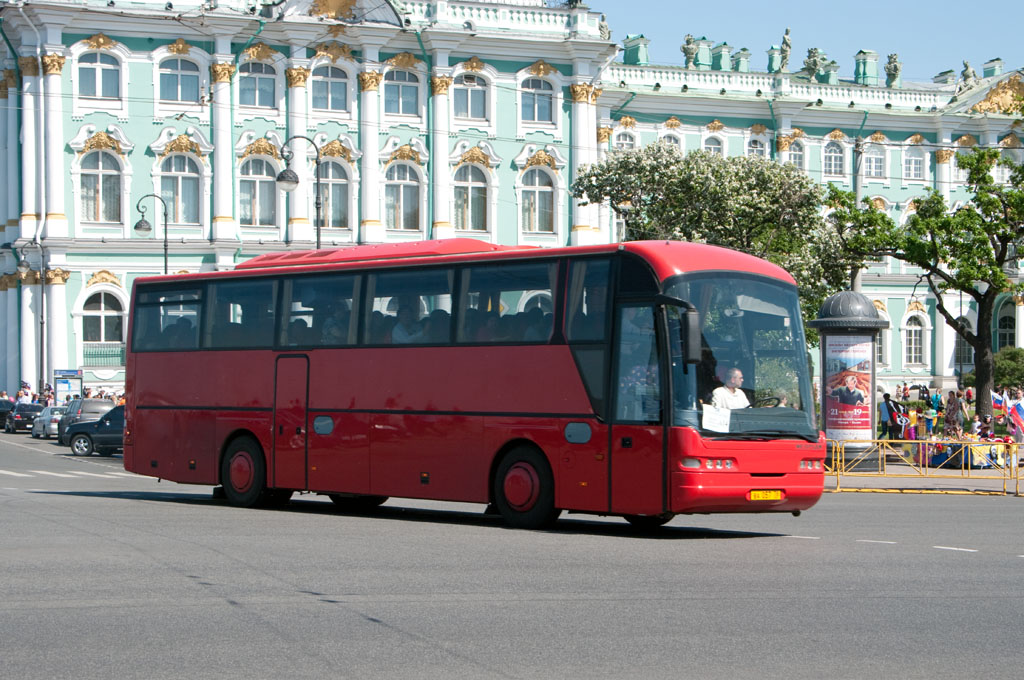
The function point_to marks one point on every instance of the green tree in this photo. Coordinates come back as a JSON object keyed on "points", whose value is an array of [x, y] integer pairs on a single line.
{"points": [[967, 251], [1009, 367], [746, 203]]}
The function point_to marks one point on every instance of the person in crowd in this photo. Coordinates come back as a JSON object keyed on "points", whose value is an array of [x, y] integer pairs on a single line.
{"points": [[883, 416], [929, 420], [924, 395], [906, 392], [730, 395], [969, 395], [953, 419], [896, 416], [976, 424]]}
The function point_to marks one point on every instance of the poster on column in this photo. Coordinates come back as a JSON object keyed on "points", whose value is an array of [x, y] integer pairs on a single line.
{"points": [[848, 386]]}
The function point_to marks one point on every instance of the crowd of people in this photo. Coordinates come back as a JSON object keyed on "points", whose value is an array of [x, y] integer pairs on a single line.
{"points": [[49, 398]]}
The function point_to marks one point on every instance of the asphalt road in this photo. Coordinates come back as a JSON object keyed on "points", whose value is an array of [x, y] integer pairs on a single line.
{"points": [[104, 574]]}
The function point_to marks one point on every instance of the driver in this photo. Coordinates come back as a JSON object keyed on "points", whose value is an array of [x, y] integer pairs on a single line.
{"points": [[730, 395]]}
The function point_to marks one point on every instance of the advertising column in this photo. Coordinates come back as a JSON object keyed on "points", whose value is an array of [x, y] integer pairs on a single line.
{"points": [[847, 371]]}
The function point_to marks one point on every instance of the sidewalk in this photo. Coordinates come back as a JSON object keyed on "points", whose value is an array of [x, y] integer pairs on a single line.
{"points": [[907, 479]]}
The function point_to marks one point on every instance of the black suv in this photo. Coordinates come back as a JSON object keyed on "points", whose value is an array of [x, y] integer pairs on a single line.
{"points": [[103, 436], [81, 409], [21, 416]]}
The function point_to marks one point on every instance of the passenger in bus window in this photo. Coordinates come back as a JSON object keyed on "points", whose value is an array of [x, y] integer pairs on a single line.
{"points": [[438, 327], [335, 329], [408, 328], [730, 395]]}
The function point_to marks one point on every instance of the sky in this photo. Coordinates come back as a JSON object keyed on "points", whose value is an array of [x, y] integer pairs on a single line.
{"points": [[929, 37]]}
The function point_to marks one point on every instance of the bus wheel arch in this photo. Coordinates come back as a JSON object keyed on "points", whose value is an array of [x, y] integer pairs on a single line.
{"points": [[243, 470], [523, 486]]}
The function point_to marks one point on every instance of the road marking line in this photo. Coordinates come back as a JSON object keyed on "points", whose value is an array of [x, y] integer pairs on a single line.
{"points": [[946, 547], [124, 474], [867, 540], [13, 474], [52, 474], [92, 474], [809, 538]]}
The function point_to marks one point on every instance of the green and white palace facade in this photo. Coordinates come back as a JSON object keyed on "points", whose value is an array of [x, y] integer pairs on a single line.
{"points": [[433, 119]]}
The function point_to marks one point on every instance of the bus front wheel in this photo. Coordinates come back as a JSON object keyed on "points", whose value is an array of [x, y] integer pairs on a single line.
{"points": [[524, 489], [244, 473]]}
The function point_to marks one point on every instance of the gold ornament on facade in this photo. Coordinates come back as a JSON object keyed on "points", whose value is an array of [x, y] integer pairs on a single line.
{"points": [[580, 92], [542, 68], [406, 60], [879, 305], [103, 276], [782, 142], [473, 64], [334, 9], [673, 123], [475, 155], [542, 157], [914, 204], [369, 81], [1003, 98], [715, 125], [627, 122], [916, 138], [440, 84], [53, 64], [100, 42], [57, 277], [179, 46], [335, 51], [259, 52], [967, 140], [943, 156], [878, 203], [261, 146], [336, 30], [29, 278], [1010, 141], [916, 306], [837, 135], [101, 140], [758, 129], [297, 76], [877, 136], [181, 144], [405, 153], [595, 94], [604, 134], [222, 72], [29, 67], [10, 79], [797, 133], [336, 149]]}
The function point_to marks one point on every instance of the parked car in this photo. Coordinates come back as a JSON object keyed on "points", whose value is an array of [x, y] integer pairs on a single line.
{"points": [[45, 424], [21, 417], [5, 406], [80, 410], [103, 436]]}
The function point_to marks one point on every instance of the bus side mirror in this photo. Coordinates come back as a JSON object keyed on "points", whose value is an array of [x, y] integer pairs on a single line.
{"points": [[691, 339]]}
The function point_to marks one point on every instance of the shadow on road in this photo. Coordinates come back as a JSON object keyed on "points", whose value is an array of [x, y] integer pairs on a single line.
{"points": [[609, 526]]}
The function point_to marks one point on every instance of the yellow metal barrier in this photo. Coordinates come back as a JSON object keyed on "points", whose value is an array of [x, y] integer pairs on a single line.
{"points": [[996, 464]]}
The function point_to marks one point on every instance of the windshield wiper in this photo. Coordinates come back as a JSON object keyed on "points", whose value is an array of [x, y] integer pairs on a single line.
{"points": [[761, 435]]}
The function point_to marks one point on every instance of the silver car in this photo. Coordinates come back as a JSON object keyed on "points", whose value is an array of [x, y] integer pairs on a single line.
{"points": [[45, 424]]}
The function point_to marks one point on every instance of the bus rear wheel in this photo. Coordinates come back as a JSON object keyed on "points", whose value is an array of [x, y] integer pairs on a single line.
{"points": [[356, 503], [524, 489], [649, 521], [243, 473]]}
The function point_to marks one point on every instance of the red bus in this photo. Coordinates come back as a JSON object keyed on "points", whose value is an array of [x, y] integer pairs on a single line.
{"points": [[642, 379]]}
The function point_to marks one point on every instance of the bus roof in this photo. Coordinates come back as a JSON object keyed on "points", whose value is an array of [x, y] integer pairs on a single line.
{"points": [[666, 258]]}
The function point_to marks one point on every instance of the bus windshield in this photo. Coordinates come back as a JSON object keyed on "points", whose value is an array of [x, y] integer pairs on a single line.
{"points": [[753, 380]]}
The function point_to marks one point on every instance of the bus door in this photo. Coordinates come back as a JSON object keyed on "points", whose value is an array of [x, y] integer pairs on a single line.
{"points": [[291, 397], [637, 431]]}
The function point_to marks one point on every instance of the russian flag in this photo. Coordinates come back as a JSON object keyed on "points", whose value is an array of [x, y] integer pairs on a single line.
{"points": [[998, 403], [1017, 414]]}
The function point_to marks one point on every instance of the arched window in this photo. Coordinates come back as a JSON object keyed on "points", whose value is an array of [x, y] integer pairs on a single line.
{"points": [[796, 154], [257, 194], [470, 198], [330, 89], [179, 187], [913, 164], [1006, 328], [470, 97], [713, 145], [914, 340], [672, 140], [874, 162], [538, 101], [834, 159], [101, 187], [102, 319], [334, 194], [624, 140], [402, 197], [757, 148], [963, 352], [99, 75], [257, 84], [401, 93], [179, 81], [538, 202]]}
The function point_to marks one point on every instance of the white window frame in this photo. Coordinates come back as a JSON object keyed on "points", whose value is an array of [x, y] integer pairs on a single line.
{"points": [[1006, 311], [558, 83], [884, 344], [274, 113], [713, 138], [81, 105], [559, 187], [802, 165], [673, 139], [488, 202], [78, 312], [160, 174], [926, 338], [351, 167], [418, 119], [757, 146], [875, 152], [491, 77], [843, 160], [100, 172], [919, 154], [352, 187], [351, 92], [170, 109], [624, 140], [417, 173], [242, 74], [278, 202]]}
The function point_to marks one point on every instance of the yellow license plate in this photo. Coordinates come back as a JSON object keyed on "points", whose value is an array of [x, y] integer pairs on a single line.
{"points": [[766, 495]]}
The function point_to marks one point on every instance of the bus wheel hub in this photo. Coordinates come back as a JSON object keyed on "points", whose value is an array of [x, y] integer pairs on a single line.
{"points": [[522, 487], [241, 470]]}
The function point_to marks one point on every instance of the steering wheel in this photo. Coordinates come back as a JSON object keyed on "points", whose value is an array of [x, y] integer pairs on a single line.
{"points": [[768, 402]]}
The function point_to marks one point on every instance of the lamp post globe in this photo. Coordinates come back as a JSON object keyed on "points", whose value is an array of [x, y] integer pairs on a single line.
{"points": [[143, 227], [287, 180], [23, 266]]}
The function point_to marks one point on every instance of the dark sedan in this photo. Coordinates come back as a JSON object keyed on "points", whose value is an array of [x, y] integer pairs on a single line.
{"points": [[103, 436], [21, 417]]}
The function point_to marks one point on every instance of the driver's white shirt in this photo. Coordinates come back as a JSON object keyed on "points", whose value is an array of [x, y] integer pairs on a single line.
{"points": [[723, 397]]}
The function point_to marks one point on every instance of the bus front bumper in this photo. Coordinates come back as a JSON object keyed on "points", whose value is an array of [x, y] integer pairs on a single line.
{"points": [[698, 492]]}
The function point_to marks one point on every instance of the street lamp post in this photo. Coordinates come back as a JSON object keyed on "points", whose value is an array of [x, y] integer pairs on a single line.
{"points": [[288, 180], [143, 227]]}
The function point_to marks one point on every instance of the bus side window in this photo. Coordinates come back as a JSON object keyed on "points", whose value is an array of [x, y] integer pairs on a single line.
{"points": [[586, 315], [409, 307], [507, 303]]}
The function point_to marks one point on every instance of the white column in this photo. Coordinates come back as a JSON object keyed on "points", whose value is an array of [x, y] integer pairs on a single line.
{"points": [[1018, 317], [29, 326], [6, 349], [371, 229], [605, 213], [10, 332], [299, 226], [584, 231], [30, 143], [225, 227], [4, 146], [57, 321], [442, 171], [53, 103], [11, 216]]}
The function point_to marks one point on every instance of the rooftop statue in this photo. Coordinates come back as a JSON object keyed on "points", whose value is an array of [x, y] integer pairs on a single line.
{"points": [[689, 48], [892, 69], [814, 62], [604, 30], [968, 78], [787, 46]]}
